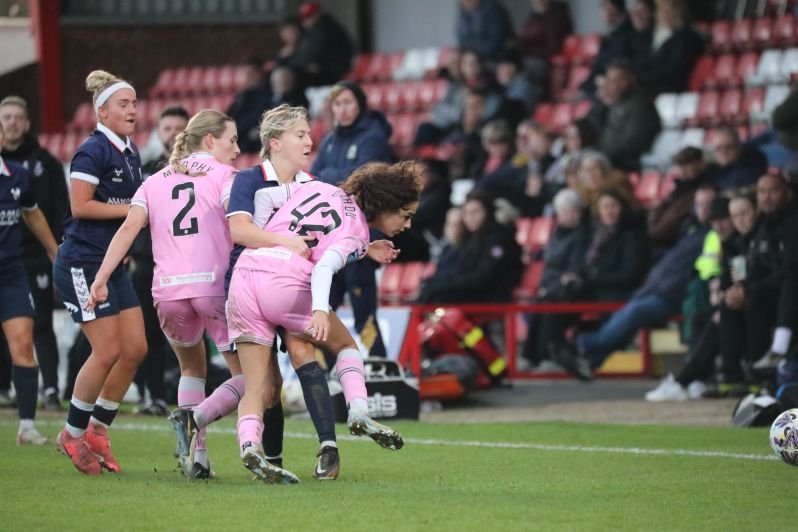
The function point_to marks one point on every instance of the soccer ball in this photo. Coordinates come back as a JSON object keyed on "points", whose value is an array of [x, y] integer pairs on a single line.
{"points": [[784, 436]]}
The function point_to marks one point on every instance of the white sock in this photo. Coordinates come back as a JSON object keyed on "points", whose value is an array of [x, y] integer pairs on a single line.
{"points": [[327, 443], [359, 406], [781, 340], [25, 424]]}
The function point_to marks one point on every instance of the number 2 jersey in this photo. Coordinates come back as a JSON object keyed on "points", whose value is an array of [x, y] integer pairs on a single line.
{"points": [[190, 238], [314, 209]]}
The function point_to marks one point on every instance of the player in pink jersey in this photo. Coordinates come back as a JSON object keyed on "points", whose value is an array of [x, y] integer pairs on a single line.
{"points": [[253, 199], [191, 248], [376, 195]]}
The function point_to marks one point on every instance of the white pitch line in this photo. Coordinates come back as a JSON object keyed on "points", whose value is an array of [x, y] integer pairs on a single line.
{"points": [[465, 443]]}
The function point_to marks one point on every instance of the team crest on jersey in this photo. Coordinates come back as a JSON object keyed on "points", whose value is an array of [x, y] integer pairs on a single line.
{"points": [[15, 192], [38, 170], [118, 171], [42, 281]]}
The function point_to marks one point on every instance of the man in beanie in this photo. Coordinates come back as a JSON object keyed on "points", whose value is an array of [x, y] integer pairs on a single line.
{"points": [[360, 136]]}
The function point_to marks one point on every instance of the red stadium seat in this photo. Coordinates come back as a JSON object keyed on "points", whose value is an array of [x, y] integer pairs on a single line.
{"points": [[179, 82], [522, 228], [393, 98], [164, 83], [701, 72], [529, 281], [360, 68], [577, 75], [742, 34], [582, 107], [746, 67], [784, 30], [210, 80], [404, 128], [753, 102], [226, 80], [194, 82], [762, 33], [570, 50], [390, 281], [730, 105], [543, 113], [446, 56], [562, 115], [707, 111], [411, 279], [647, 189], [724, 71], [382, 65], [410, 95], [375, 95], [721, 35], [589, 49], [539, 233]]}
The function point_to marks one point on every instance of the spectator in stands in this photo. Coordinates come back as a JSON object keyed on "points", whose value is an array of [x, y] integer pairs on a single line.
{"points": [[632, 118], [487, 266], [701, 313], [563, 255], [674, 50], [616, 42], [484, 26], [519, 90], [49, 188], [758, 296], [740, 165], [150, 375], [433, 203], [324, 51], [521, 181], [641, 13], [659, 298], [249, 105], [785, 123], [578, 136], [290, 32], [285, 89], [609, 264], [596, 174], [542, 35], [172, 121], [665, 219], [360, 136], [497, 143]]}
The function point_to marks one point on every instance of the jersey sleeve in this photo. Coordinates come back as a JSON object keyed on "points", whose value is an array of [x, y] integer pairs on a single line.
{"points": [[242, 195], [27, 197], [140, 197], [86, 166]]}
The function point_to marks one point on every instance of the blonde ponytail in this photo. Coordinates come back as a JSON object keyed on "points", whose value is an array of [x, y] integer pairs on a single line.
{"points": [[206, 122], [179, 152]]}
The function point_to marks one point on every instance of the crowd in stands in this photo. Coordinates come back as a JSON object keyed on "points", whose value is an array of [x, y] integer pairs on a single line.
{"points": [[710, 246]]}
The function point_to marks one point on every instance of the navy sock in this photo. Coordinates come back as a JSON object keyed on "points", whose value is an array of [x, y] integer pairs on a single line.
{"points": [[274, 426], [317, 399], [77, 417], [103, 415], [26, 383]]}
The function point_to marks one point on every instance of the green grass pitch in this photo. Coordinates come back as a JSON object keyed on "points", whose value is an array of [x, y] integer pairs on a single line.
{"points": [[524, 476]]}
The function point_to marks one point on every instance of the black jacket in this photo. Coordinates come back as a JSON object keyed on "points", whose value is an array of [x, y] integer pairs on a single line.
{"points": [[766, 264], [564, 253], [49, 184], [486, 268], [668, 68]]}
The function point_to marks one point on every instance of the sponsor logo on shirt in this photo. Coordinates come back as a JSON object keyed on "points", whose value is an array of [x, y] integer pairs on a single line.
{"points": [[9, 217], [274, 253], [118, 201], [188, 278]]}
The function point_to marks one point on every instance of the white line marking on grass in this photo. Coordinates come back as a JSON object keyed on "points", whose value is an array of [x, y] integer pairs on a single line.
{"points": [[464, 443]]}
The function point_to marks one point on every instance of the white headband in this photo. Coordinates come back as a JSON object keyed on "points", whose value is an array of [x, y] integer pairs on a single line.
{"points": [[104, 95]]}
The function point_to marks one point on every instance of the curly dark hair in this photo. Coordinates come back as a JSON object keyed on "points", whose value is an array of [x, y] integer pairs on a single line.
{"points": [[381, 187]]}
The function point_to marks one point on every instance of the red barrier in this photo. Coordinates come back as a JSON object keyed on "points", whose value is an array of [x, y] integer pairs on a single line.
{"points": [[410, 354]]}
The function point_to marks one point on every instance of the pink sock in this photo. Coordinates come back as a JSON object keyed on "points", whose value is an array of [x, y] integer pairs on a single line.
{"points": [[250, 431], [221, 402], [352, 376], [190, 392]]}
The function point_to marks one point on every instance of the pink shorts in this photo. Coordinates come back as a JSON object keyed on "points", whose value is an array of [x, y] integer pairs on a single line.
{"points": [[258, 302], [184, 320]]}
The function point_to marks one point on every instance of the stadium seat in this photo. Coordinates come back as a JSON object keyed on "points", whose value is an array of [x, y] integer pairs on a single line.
{"points": [[702, 70], [527, 288], [164, 83], [589, 48], [390, 281], [784, 30], [210, 80], [753, 102], [411, 100], [666, 106], [721, 35], [416, 63], [382, 66], [768, 69], [522, 228], [747, 65], [665, 146], [582, 108], [723, 72], [707, 110], [445, 56], [562, 115], [773, 97], [762, 33], [570, 50], [543, 114], [392, 97], [539, 233], [410, 282], [375, 93], [431, 92], [647, 189], [84, 118], [686, 107], [730, 106], [226, 79], [789, 65], [741, 34], [360, 67], [693, 136], [576, 76], [404, 128], [194, 82]]}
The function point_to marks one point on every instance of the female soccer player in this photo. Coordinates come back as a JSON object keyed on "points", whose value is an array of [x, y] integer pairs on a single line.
{"points": [[16, 302], [191, 247], [255, 195], [338, 220], [105, 174]]}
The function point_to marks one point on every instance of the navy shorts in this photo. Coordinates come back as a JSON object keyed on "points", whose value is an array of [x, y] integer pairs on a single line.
{"points": [[74, 281], [16, 300]]}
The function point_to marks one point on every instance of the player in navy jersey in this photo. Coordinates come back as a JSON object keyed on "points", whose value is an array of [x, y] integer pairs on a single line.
{"points": [[104, 175], [16, 301]]}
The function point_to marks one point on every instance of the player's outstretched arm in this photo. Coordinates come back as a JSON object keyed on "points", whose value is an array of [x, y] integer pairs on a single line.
{"points": [[120, 244]]}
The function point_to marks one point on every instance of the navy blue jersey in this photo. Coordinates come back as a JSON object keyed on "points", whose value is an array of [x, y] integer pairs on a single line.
{"points": [[248, 196], [16, 194], [113, 166]]}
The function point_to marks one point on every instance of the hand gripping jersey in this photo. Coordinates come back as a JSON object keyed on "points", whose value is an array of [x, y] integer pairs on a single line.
{"points": [[314, 209], [190, 239]]}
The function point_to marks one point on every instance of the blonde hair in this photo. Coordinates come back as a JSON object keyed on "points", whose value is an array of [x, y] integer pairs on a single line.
{"points": [[206, 122], [99, 80], [277, 121]]}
